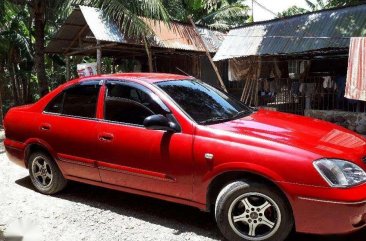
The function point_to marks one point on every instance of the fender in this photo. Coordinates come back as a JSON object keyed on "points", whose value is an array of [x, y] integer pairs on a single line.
{"points": [[202, 187], [41, 143], [244, 167]]}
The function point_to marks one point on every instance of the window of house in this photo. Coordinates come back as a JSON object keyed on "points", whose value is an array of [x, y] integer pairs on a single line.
{"points": [[293, 67], [131, 103], [79, 100]]}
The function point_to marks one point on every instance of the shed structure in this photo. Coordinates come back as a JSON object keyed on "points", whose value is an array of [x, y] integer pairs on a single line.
{"points": [[173, 47], [298, 64]]}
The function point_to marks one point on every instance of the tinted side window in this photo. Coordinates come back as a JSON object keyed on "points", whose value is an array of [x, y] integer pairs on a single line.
{"points": [[55, 106], [131, 103], [205, 104], [81, 101]]}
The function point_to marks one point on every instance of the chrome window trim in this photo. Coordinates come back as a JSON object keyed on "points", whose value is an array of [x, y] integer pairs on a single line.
{"points": [[103, 120], [98, 120], [70, 116]]}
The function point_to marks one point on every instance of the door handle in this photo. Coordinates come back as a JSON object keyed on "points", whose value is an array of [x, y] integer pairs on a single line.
{"points": [[106, 137], [45, 127]]}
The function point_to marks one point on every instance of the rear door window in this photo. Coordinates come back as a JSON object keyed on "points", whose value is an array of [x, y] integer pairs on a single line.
{"points": [[80, 100], [55, 106]]}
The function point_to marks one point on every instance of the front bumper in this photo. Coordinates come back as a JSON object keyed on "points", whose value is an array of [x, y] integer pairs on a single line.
{"points": [[323, 210], [329, 217]]}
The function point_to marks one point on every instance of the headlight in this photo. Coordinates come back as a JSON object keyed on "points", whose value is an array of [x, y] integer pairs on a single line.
{"points": [[339, 173]]}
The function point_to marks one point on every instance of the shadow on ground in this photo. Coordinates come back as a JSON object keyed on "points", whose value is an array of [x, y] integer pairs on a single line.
{"points": [[171, 215]]}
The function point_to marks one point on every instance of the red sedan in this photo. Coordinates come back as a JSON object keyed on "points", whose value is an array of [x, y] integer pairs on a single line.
{"points": [[172, 137]]}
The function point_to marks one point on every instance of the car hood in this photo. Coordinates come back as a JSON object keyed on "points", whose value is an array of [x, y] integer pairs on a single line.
{"points": [[320, 137]]}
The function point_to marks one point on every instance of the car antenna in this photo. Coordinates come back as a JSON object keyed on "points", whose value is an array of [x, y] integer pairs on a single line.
{"points": [[183, 72]]}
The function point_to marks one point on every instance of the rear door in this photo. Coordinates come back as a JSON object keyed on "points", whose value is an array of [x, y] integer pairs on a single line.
{"points": [[69, 126]]}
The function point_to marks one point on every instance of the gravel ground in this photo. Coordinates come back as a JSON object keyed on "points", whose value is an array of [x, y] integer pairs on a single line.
{"points": [[84, 212]]}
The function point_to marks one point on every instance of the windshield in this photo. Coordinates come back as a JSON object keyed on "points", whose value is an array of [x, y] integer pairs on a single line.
{"points": [[202, 102]]}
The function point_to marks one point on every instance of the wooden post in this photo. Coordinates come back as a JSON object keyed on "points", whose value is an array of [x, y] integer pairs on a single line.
{"points": [[256, 100], [221, 82], [114, 66], [99, 58], [149, 55], [68, 77]]}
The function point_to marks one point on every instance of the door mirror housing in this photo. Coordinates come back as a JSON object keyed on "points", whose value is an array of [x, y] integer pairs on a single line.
{"points": [[160, 122]]}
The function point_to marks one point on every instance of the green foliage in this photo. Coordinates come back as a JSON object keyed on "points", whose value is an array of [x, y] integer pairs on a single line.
{"points": [[341, 3], [316, 5], [16, 53], [127, 14], [294, 10], [217, 14], [19, 81]]}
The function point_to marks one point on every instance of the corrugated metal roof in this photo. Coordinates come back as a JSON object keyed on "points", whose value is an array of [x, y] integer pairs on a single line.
{"points": [[172, 36], [314, 31], [67, 33], [102, 29], [181, 36]]}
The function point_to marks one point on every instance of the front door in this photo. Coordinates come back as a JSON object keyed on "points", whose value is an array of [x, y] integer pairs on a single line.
{"points": [[135, 157]]}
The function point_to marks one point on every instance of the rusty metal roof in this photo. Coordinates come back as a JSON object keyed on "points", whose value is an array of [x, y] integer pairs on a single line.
{"points": [[327, 29], [92, 24], [181, 36]]}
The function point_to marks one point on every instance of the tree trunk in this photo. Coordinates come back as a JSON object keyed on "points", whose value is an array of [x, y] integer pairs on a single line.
{"points": [[13, 83], [2, 73], [38, 7]]}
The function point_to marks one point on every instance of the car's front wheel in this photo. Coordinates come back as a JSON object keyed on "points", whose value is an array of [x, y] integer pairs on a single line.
{"points": [[45, 174], [251, 211]]}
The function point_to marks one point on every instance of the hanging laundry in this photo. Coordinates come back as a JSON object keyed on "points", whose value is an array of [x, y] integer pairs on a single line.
{"points": [[356, 72], [328, 83]]}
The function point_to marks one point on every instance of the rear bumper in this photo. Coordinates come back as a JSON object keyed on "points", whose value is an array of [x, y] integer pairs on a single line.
{"points": [[15, 151], [322, 210]]}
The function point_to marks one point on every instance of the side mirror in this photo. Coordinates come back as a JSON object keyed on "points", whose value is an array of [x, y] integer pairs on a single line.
{"points": [[160, 122]]}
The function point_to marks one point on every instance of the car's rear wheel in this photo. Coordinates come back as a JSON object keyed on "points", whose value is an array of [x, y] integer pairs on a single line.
{"points": [[250, 211], [45, 174]]}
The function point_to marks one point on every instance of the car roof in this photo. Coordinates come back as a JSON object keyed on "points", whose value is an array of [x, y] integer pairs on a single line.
{"points": [[148, 77]]}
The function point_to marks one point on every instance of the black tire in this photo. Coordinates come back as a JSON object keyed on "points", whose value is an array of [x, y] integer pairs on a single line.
{"points": [[235, 199], [45, 175]]}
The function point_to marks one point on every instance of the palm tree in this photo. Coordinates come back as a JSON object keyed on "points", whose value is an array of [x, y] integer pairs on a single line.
{"points": [[16, 60], [42, 13], [341, 3], [316, 5], [127, 14], [217, 14]]}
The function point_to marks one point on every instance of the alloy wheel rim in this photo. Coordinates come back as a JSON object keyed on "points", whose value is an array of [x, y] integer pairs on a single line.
{"points": [[42, 172], [254, 216]]}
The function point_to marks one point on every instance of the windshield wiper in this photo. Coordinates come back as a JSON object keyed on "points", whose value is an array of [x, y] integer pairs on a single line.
{"points": [[241, 114], [214, 120], [222, 119]]}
